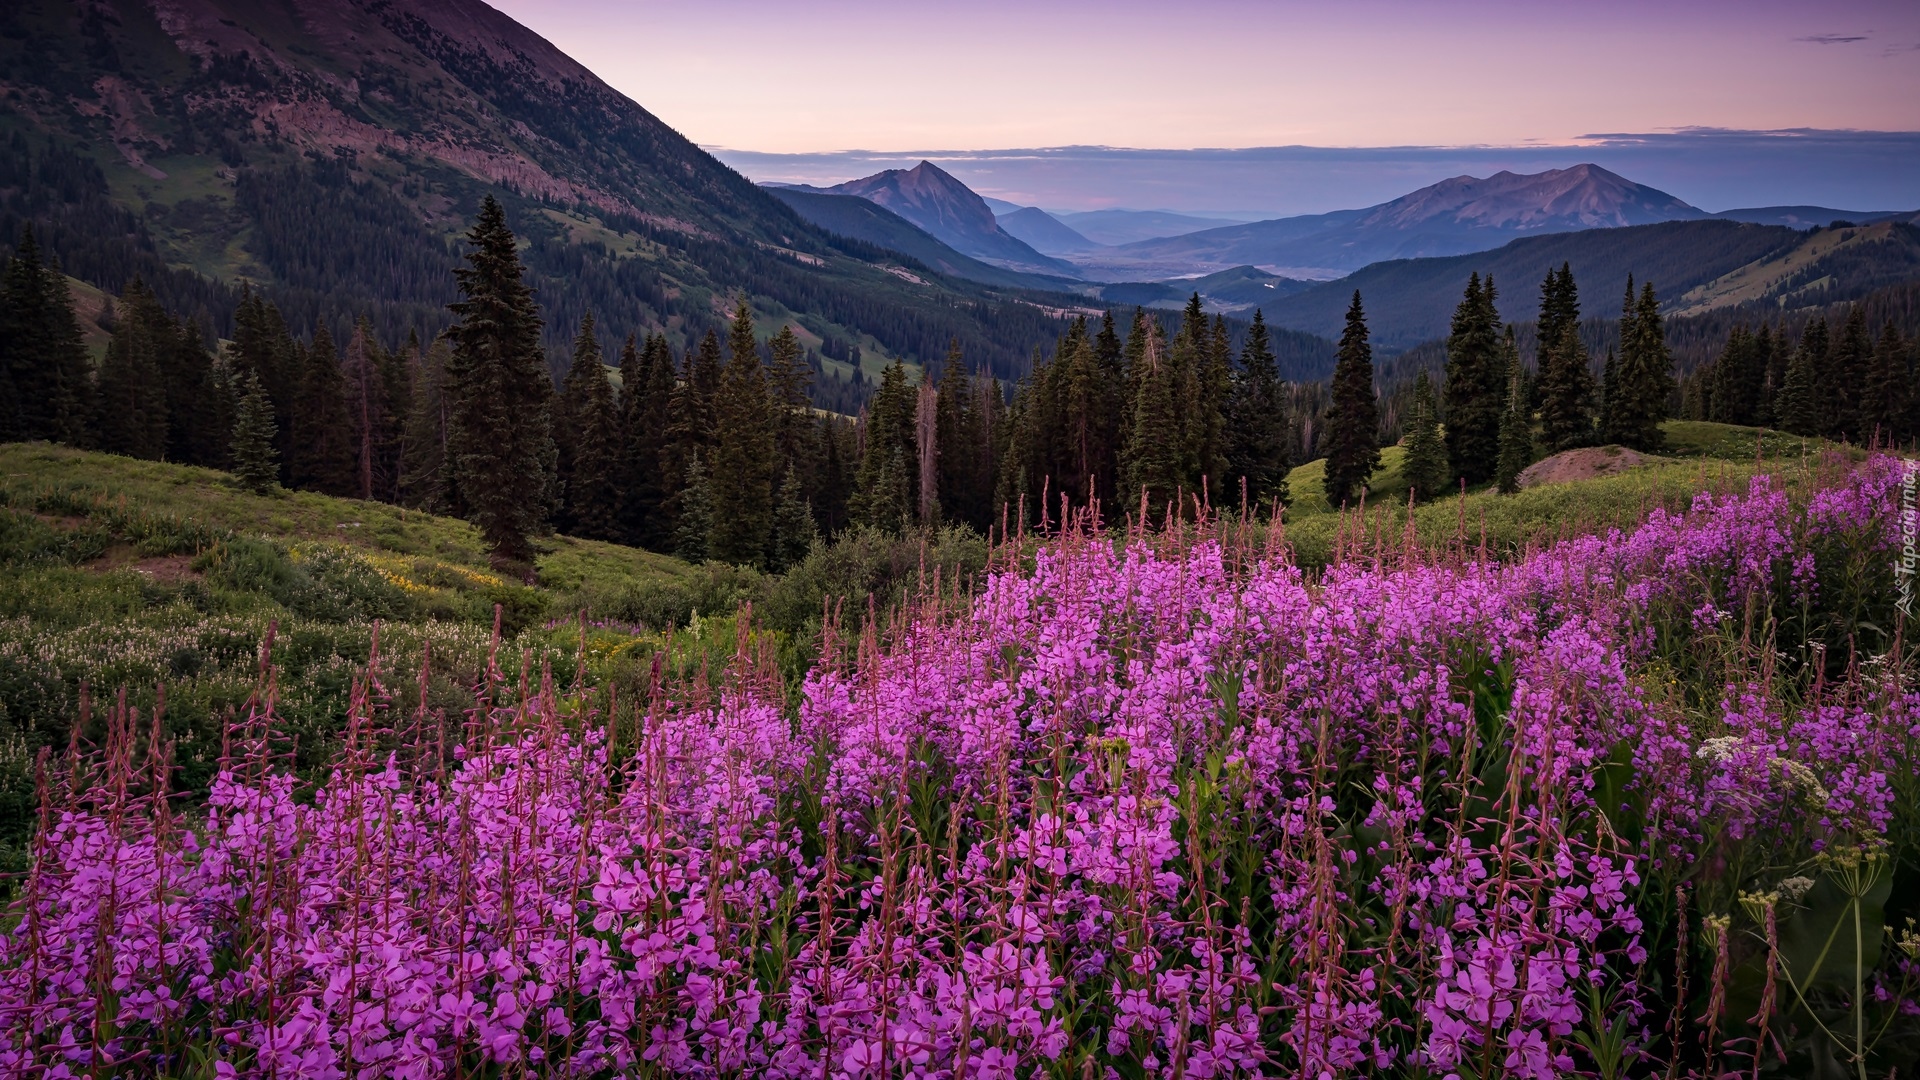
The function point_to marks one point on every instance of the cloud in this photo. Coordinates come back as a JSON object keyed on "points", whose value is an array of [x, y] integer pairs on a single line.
{"points": [[1832, 39]]}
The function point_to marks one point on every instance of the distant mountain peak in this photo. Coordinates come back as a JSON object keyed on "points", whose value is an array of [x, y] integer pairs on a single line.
{"points": [[1583, 196], [950, 211]]}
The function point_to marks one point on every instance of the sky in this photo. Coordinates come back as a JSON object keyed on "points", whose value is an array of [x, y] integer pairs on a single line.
{"points": [[781, 88]]}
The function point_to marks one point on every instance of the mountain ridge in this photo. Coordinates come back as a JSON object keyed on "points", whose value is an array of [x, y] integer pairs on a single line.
{"points": [[332, 152], [1458, 215], [951, 212]]}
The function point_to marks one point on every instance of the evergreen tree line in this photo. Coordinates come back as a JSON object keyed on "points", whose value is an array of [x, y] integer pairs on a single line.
{"points": [[1851, 383], [1157, 418], [1493, 415]]}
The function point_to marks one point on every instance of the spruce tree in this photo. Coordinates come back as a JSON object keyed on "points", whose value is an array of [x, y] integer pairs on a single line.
{"points": [[1353, 423], [1566, 376], [741, 476], [1516, 425], [1155, 457], [45, 374], [835, 488], [1771, 354], [1643, 380], [883, 494], [1797, 408], [255, 463], [695, 521], [325, 450], [1844, 380], [497, 380], [1213, 382], [1884, 407], [589, 440], [788, 377], [793, 528], [690, 412], [131, 416], [428, 482], [1425, 467], [963, 496], [1259, 455], [637, 473], [1476, 385]]}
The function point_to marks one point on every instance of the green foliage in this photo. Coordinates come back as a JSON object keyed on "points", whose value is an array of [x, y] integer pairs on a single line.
{"points": [[1566, 376], [1476, 386], [1516, 425], [255, 462], [1353, 424], [45, 388], [498, 387], [1425, 468], [587, 433], [1642, 379], [1260, 453], [741, 479]]}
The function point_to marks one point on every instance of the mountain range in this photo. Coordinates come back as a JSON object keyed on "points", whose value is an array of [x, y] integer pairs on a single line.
{"points": [[331, 152]]}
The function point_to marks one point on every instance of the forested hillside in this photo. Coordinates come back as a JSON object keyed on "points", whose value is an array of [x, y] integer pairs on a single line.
{"points": [[329, 153]]}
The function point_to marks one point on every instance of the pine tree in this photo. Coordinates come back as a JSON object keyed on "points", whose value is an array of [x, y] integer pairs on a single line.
{"points": [[793, 529], [1476, 385], [743, 453], [428, 482], [1566, 376], [1843, 381], [1353, 423], [645, 370], [1516, 425], [835, 489], [788, 376], [1425, 467], [497, 380], [1643, 381], [1771, 355], [131, 417], [589, 440], [1258, 455], [1797, 409], [1884, 407], [1213, 383], [695, 522], [255, 464], [1155, 455], [325, 454], [962, 441], [1739, 377], [690, 413], [45, 384], [883, 488]]}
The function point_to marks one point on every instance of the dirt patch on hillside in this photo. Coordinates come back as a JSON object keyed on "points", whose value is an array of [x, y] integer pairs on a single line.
{"points": [[167, 569], [1586, 463]]}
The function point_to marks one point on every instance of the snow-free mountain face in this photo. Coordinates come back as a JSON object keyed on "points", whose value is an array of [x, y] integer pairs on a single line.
{"points": [[1558, 200], [1043, 232], [1455, 216], [951, 212]]}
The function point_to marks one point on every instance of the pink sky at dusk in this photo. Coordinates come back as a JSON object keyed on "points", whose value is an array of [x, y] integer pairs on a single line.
{"points": [[791, 75]]}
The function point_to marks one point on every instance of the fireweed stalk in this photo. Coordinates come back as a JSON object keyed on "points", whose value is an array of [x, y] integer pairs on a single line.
{"points": [[1156, 805]]}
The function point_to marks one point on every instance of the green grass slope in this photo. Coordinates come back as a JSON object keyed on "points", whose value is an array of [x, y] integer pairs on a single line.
{"points": [[1699, 457]]}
